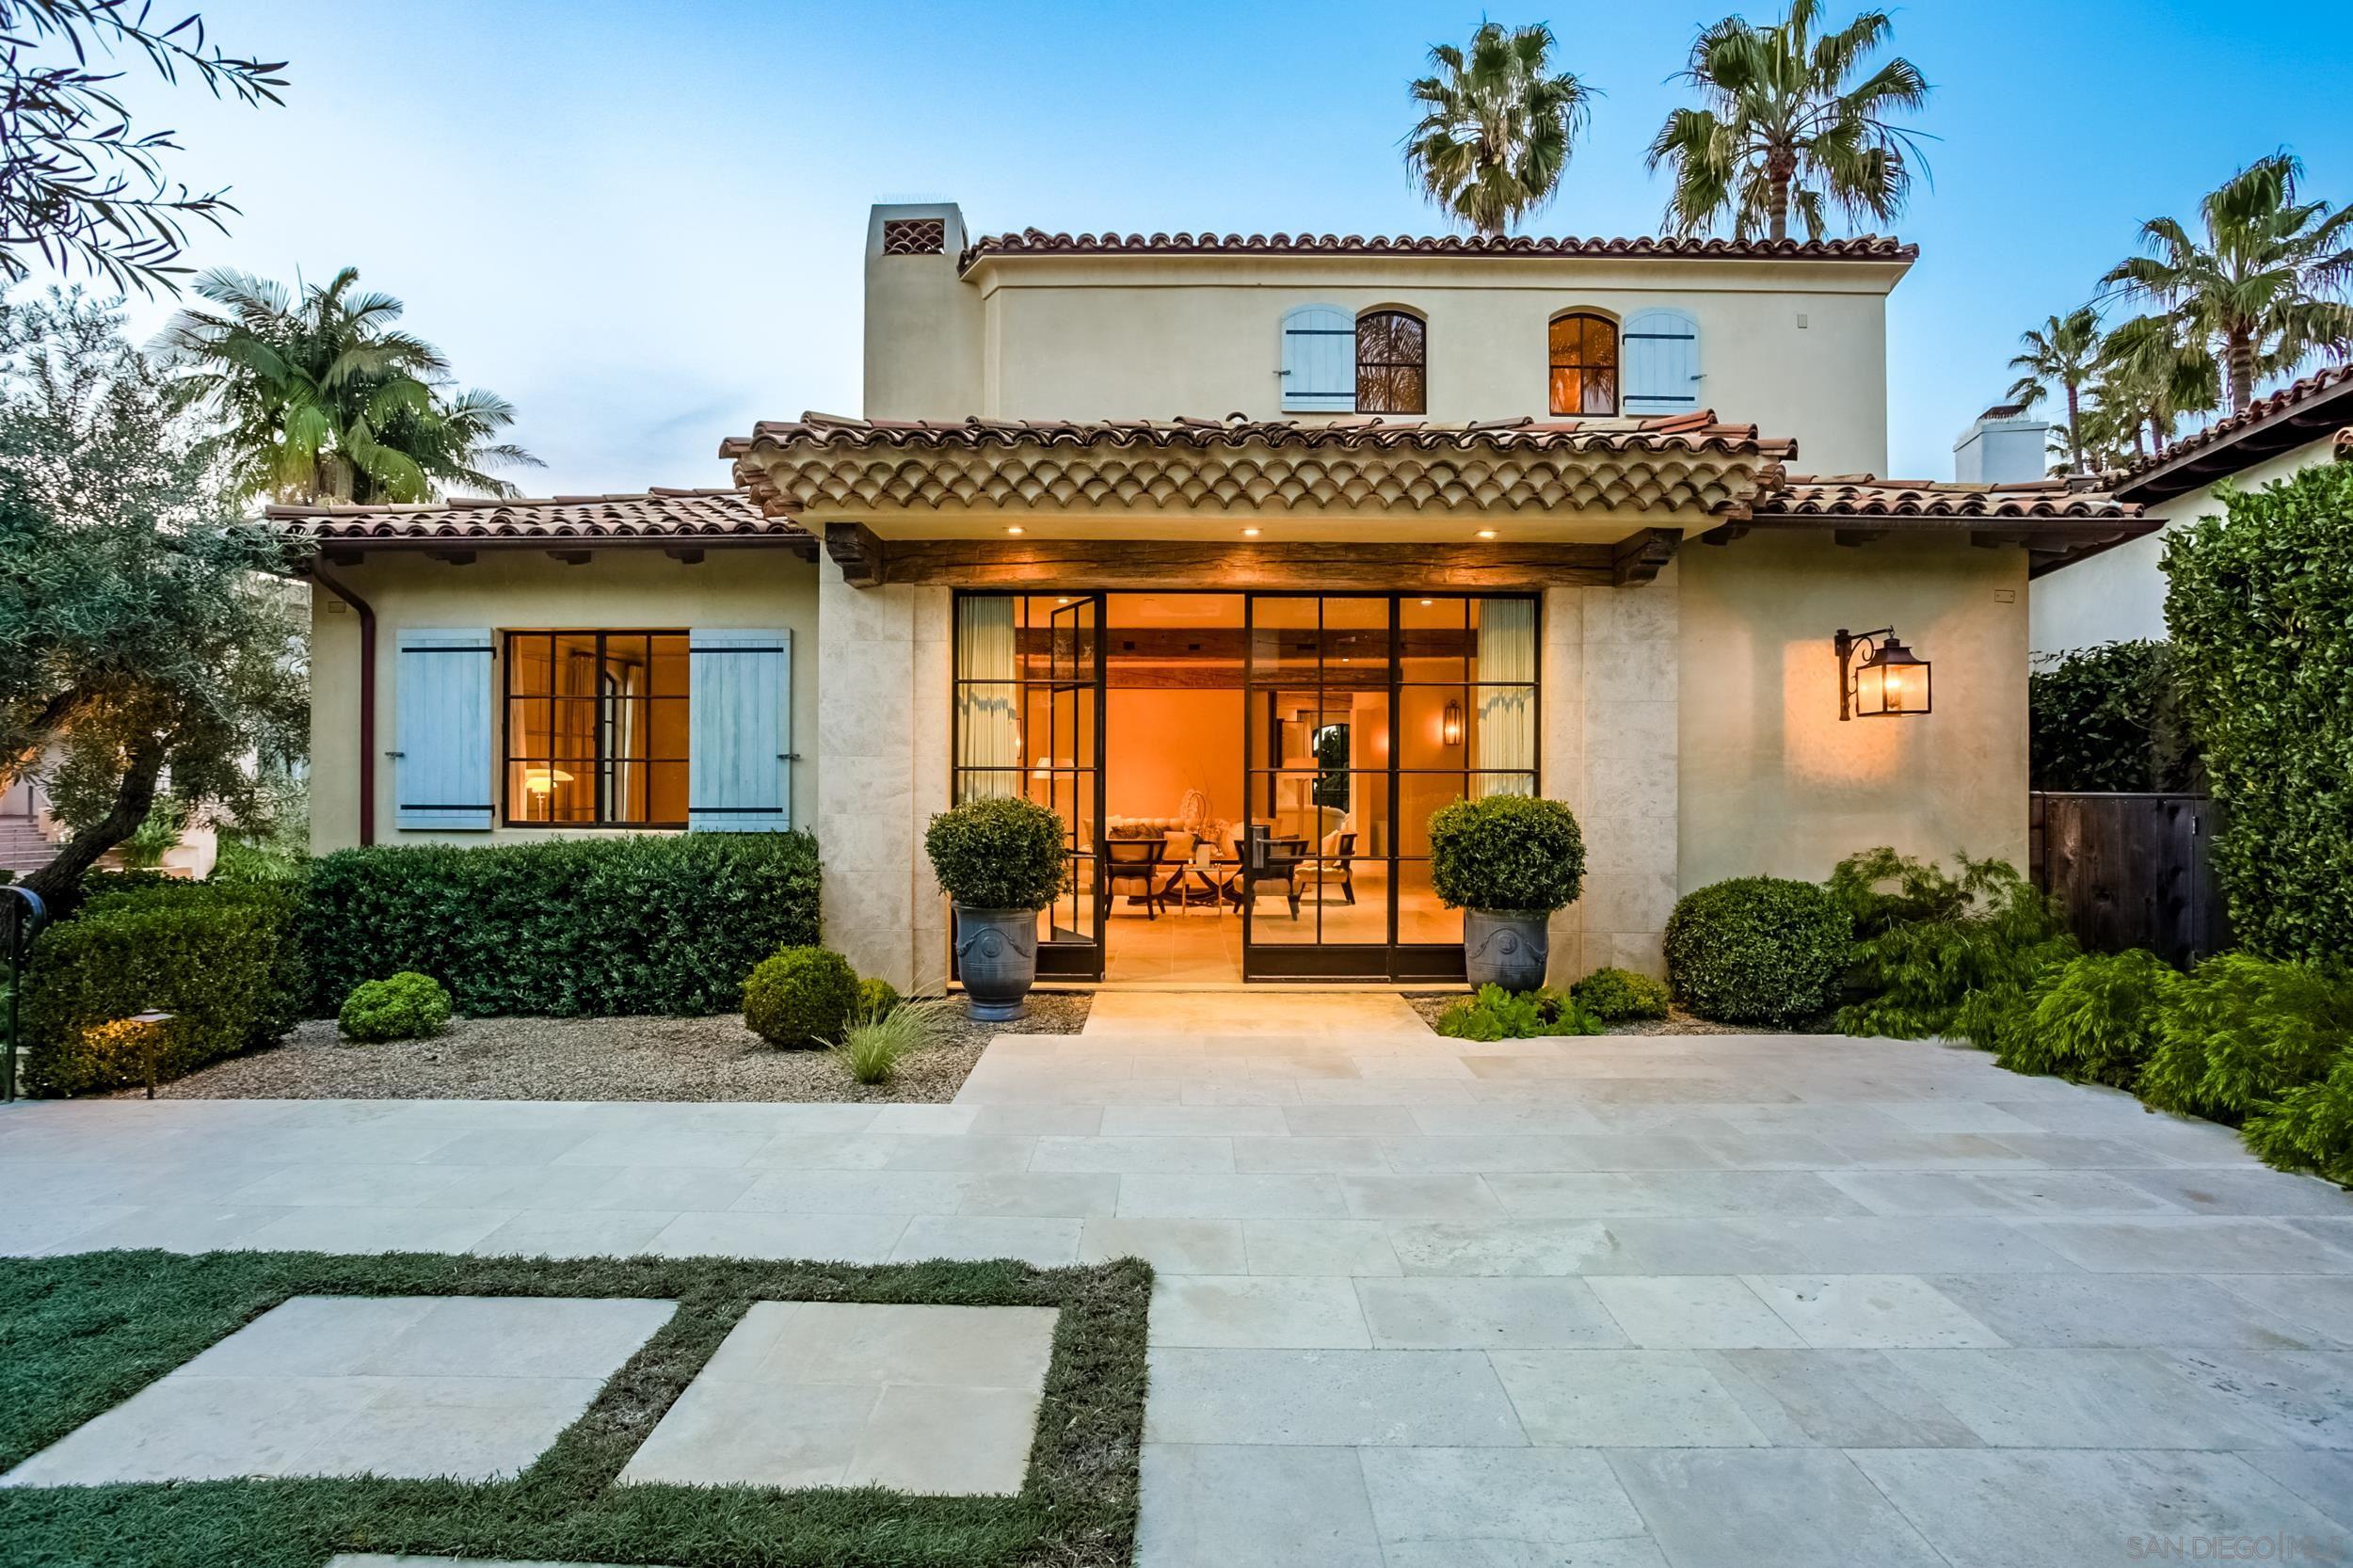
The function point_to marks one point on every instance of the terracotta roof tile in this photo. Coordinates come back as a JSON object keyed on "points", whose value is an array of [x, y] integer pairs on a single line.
{"points": [[1037, 242], [1865, 496], [2318, 384], [650, 514]]}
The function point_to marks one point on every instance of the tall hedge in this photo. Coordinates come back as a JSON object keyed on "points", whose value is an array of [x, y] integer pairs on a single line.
{"points": [[2108, 718], [2260, 604], [222, 960], [582, 927]]}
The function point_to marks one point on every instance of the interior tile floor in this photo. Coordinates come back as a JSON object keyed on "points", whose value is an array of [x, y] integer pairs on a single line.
{"points": [[1678, 1300]]}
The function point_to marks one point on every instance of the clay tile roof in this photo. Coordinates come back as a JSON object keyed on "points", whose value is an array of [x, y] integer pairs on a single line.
{"points": [[1694, 432], [1037, 242], [1865, 496], [651, 514], [2330, 385]]}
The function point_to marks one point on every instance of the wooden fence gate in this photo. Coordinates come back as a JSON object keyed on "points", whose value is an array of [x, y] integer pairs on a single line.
{"points": [[2131, 871]]}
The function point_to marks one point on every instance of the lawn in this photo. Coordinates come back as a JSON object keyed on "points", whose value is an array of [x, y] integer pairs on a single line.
{"points": [[80, 1333]]}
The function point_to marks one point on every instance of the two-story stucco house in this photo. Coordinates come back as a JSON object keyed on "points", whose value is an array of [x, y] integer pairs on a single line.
{"points": [[1244, 556]]}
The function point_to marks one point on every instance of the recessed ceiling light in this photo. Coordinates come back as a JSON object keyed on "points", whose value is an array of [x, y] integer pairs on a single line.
{"points": [[1013, 528], [1484, 533], [1249, 533], [1064, 599], [1426, 601]]}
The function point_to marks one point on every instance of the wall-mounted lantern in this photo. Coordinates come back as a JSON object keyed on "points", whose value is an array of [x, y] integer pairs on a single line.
{"points": [[1451, 725], [1890, 682]]}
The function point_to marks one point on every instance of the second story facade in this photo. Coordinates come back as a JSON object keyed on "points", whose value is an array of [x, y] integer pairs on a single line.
{"points": [[1792, 338]]}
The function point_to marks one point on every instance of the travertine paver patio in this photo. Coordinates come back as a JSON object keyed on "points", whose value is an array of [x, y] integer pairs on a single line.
{"points": [[923, 1399], [1683, 1300], [407, 1387]]}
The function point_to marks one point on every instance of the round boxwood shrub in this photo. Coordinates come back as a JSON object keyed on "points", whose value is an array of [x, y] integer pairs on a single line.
{"points": [[877, 998], [800, 997], [408, 1006], [1507, 854], [1000, 852], [1757, 950], [1615, 996]]}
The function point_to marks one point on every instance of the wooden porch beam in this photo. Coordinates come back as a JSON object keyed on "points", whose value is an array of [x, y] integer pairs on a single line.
{"points": [[867, 561]]}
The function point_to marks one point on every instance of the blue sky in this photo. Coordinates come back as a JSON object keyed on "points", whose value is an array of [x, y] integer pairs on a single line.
{"points": [[642, 222]]}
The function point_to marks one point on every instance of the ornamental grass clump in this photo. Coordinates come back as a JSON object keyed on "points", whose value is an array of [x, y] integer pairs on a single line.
{"points": [[1509, 853], [408, 1006], [871, 1049], [2094, 1021], [999, 852], [1757, 950], [1620, 996], [800, 997], [1496, 1014], [2239, 1031]]}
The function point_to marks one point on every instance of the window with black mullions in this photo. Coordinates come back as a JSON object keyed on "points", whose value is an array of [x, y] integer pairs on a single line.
{"points": [[1391, 363], [596, 728]]}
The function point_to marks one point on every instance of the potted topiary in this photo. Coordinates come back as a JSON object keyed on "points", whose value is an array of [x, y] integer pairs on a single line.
{"points": [[1001, 859], [1507, 862]]}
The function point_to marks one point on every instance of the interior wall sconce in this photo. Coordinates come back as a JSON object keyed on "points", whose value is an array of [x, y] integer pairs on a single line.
{"points": [[1451, 724], [1890, 682]]}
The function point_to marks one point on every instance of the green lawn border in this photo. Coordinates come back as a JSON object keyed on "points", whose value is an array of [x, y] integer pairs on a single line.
{"points": [[80, 1333]]}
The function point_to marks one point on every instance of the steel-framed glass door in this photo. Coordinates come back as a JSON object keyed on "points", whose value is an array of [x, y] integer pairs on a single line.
{"points": [[1364, 713], [1029, 721]]}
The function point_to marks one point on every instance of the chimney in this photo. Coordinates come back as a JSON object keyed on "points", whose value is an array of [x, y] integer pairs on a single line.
{"points": [[2002, 446], [922, 320]]}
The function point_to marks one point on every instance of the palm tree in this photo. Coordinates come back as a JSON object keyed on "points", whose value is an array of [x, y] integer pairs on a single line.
{"points": [[2151, 376], [2261, 291], [2063, 350], [322, 397], [1787, 125], [1499, 126]]}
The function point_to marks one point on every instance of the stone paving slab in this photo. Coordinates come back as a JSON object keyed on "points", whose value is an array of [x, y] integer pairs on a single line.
{"points": [[923, 1399], [411, 1387]]}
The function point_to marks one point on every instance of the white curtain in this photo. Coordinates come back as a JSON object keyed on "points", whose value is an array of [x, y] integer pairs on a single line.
{"points": [[988, 725], [1507, 713]]}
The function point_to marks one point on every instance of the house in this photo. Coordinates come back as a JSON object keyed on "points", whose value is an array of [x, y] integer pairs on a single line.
{"points": [[2116, 593], [1244, 554]]}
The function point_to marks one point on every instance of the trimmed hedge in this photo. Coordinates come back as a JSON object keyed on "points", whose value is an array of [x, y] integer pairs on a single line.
{"points": [[222, 960], [1507, 855], [408, 1006], [590, 927], [1619, 995], [2260, 606], [2108, 718], [1761, 950]]}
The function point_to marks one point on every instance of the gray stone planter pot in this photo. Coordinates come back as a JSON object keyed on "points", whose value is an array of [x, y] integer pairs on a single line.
{"points": [[996, 960], [1506, 948]]}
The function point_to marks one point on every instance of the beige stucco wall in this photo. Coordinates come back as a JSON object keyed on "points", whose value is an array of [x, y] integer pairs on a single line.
{"points": [[1770, 781], [2118, 595], [527, 590], [1798, 349]]}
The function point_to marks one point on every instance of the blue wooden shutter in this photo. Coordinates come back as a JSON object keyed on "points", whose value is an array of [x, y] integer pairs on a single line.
{"points": [[739, 741], [441, 773], [1318, 361], [1661, 352]]}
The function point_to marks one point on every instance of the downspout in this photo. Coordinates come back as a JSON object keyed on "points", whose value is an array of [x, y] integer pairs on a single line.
{"points": [[367, 698]]}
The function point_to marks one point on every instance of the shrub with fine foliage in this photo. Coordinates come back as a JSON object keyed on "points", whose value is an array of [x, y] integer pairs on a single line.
{"points": [[2238, 1030], [222, 961], [1618, 996], [1939, 953], [999, 852], [2309, 1127], [1495, 1014], [589, 927], [1506, 853], [2260, 608], [408, 1006], [800, 997], [2094, 1021], [1761, 950]]}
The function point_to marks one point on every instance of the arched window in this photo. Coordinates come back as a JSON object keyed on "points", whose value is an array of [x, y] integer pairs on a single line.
{"points": [[1584, 364], [1391, 367]]}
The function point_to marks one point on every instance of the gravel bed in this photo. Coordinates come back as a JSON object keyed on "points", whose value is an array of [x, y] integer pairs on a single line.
{"points": [[1432, 1003], [602, 1059]]}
